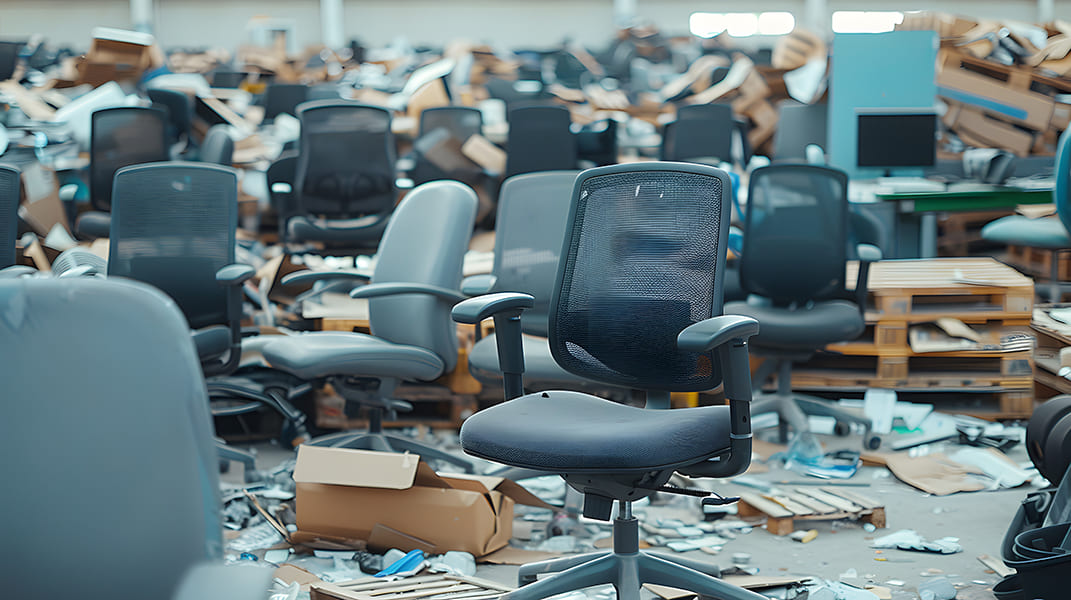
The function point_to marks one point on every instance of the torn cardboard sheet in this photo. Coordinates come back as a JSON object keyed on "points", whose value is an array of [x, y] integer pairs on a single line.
{"points": [[936, 474]]}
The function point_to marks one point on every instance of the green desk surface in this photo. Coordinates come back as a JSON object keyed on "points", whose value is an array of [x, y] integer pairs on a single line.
{"points": [[1000, 197]]}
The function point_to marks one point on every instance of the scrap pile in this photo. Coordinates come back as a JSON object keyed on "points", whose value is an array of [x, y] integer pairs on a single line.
{"points": [[1006, 85]]}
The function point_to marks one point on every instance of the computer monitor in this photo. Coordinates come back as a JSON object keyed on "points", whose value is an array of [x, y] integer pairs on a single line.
{"points": [[892, 138], [9, 58]]}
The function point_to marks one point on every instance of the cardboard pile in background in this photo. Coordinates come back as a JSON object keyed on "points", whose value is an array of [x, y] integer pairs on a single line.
{"points": [[1005, 85]]}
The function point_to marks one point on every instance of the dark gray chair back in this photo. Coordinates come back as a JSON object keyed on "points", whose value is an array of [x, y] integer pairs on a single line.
{"points": [[218, 146], [120, 137], [9, 214], [796, 240], [346, 163], [425, 242], [461, 122], [644, 237], [283, 170], [173, 226], [129, 472], [179, 111], [540, 139], [700, 131], [529, 230], [597, 142], [284, 98], [799, 125]]}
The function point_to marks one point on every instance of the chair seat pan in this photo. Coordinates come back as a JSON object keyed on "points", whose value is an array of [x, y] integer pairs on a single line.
{"points": [[316, 355], [804, 328], [1022, 231], [212, 342], [539, 364], [304, 229], [564, 432]]}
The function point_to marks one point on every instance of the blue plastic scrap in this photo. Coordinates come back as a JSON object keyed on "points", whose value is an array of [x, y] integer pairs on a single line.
{"points": [[410, 562]]}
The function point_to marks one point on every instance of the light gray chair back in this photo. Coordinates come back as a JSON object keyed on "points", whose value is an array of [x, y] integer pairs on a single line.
{"points": [[425, 242], [218, 146], [529, 231], [111, 481]]}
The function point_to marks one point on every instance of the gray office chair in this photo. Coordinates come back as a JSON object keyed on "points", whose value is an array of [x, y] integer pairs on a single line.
{"points": [[1049, 233], [793, 266], [9, 214], [637, 303], [218, 146], [123, 403], [532, 213], [119, 137], [411, 291]]}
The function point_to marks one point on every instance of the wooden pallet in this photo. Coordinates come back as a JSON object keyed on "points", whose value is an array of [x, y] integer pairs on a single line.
{"points": [[890, 337], [992, 403], [810, 504], [425, 587], [433, 406], [1038, 262], [920, 290], [936, 370]]}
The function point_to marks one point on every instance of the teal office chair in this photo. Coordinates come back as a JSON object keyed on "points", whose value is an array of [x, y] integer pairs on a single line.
{"points": [[415, 283], [116, 384], [636, 303], [9, 214], [1049, 233]]}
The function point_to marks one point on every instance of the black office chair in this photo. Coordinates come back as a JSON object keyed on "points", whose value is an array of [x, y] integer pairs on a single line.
{"points": [[9, 214], [540, 139], [283, 98], [280, 177], [703, 136], [637, 304], [796, 245], [462, 122], [127, 418], [218, 146], [227, 78], [9, 58], [173, 227], [119, 137], [798, 126], [344, 185], [179, 113], [413, 287], [597, 143]]}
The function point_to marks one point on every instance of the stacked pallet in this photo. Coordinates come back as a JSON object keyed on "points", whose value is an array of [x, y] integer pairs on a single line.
{"points": [[992, 298], [1003, 85], [783, 509]]}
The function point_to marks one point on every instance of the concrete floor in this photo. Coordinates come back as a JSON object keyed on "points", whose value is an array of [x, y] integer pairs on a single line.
{"points": [[978, 519]]}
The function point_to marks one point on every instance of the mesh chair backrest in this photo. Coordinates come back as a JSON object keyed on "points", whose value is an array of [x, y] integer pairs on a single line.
{"points": [[120, 137], [1061, 193], [796, 231], [284, 98], [179, 109], [346, 165], [642, 260], [529, 230], [218, 146], [540, 139], [173, 226], [127, 417], [462, 122], [425, 242], [9, 214], [701, 131]]}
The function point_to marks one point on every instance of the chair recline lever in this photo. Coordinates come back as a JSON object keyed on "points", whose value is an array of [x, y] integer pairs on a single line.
{"points": [[709, 498]]}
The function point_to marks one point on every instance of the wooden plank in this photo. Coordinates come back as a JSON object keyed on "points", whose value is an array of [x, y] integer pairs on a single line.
{"points": [[831, 499], [859, 499], [430, 587], [765, 506], [789, 504], [818, 507]]}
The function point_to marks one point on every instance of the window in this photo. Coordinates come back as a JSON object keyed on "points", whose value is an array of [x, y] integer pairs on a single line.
{"points": [[707, 25], [858, 21]]}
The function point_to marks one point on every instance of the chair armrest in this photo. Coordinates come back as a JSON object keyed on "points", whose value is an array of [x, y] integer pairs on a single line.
{"points": [[17, 271], [307, 276], [477, 285], [710, 333], [215, 581], [376, 290], [474, 310], [235, 274], [868, 252], [863, 275]]}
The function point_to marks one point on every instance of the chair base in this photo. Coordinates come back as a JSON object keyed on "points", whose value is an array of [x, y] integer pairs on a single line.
{"points": [[385, 442], [627, 569]]}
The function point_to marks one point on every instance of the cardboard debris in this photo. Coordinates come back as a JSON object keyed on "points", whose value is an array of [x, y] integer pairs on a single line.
{"points": [[935, 473]]}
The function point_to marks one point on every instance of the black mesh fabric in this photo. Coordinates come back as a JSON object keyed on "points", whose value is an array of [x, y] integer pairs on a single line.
{"points": [[643, 250], [540, 140], [9, 207], [461, 121], [795, 244], [346, 165], [120, 137], [173, 226], [179, 110]]}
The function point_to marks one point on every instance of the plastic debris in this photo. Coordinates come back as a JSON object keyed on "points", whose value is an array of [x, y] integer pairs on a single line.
{"points": [[907, 539], [804, 536], [695, 544], [869, 527], [277, 557], [405, 566], [805, 456], [453, 562], [938, 588]]}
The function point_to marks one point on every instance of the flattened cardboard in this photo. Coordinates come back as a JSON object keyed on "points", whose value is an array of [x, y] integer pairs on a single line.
{"points": [[350, 494], [935, 473], [481, 151], [42, 206]]}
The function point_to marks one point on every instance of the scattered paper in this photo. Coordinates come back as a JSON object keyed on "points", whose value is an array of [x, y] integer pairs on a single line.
{"points": [[908, 539], [936, 474]]}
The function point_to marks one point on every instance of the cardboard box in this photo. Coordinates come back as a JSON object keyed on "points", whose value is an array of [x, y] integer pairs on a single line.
{"points": [[41, 207], [995, 97], [481, 151], [397, 500], [978, 126], [116, 55]]}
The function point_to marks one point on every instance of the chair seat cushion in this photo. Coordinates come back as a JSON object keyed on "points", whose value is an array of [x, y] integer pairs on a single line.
{"points": [[1021, 231], [565, 432], [539, 364], [94, 224], [805, 328], [212, 342], [305, 229], [325, 354]]}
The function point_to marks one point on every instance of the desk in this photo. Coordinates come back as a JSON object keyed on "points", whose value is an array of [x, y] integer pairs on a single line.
{"points": [[927, 204]]}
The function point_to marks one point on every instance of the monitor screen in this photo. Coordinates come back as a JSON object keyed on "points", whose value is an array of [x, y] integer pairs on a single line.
{"points": [[897, 139]]}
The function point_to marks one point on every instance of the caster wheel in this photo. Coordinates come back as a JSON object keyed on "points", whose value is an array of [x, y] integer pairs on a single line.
{"points": [[872, 442], [842, 429]]}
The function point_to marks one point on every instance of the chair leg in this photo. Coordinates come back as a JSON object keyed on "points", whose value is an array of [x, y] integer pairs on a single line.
{"points": [[596, 572], [658, 571], [427, 452], [528, 573], [709, 568]]}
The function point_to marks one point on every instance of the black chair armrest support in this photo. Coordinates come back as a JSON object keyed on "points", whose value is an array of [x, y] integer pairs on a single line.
{"points": [[376, 290], [866, 257], [307, 277], [728, 334], [235, 274], [505, 308]]}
